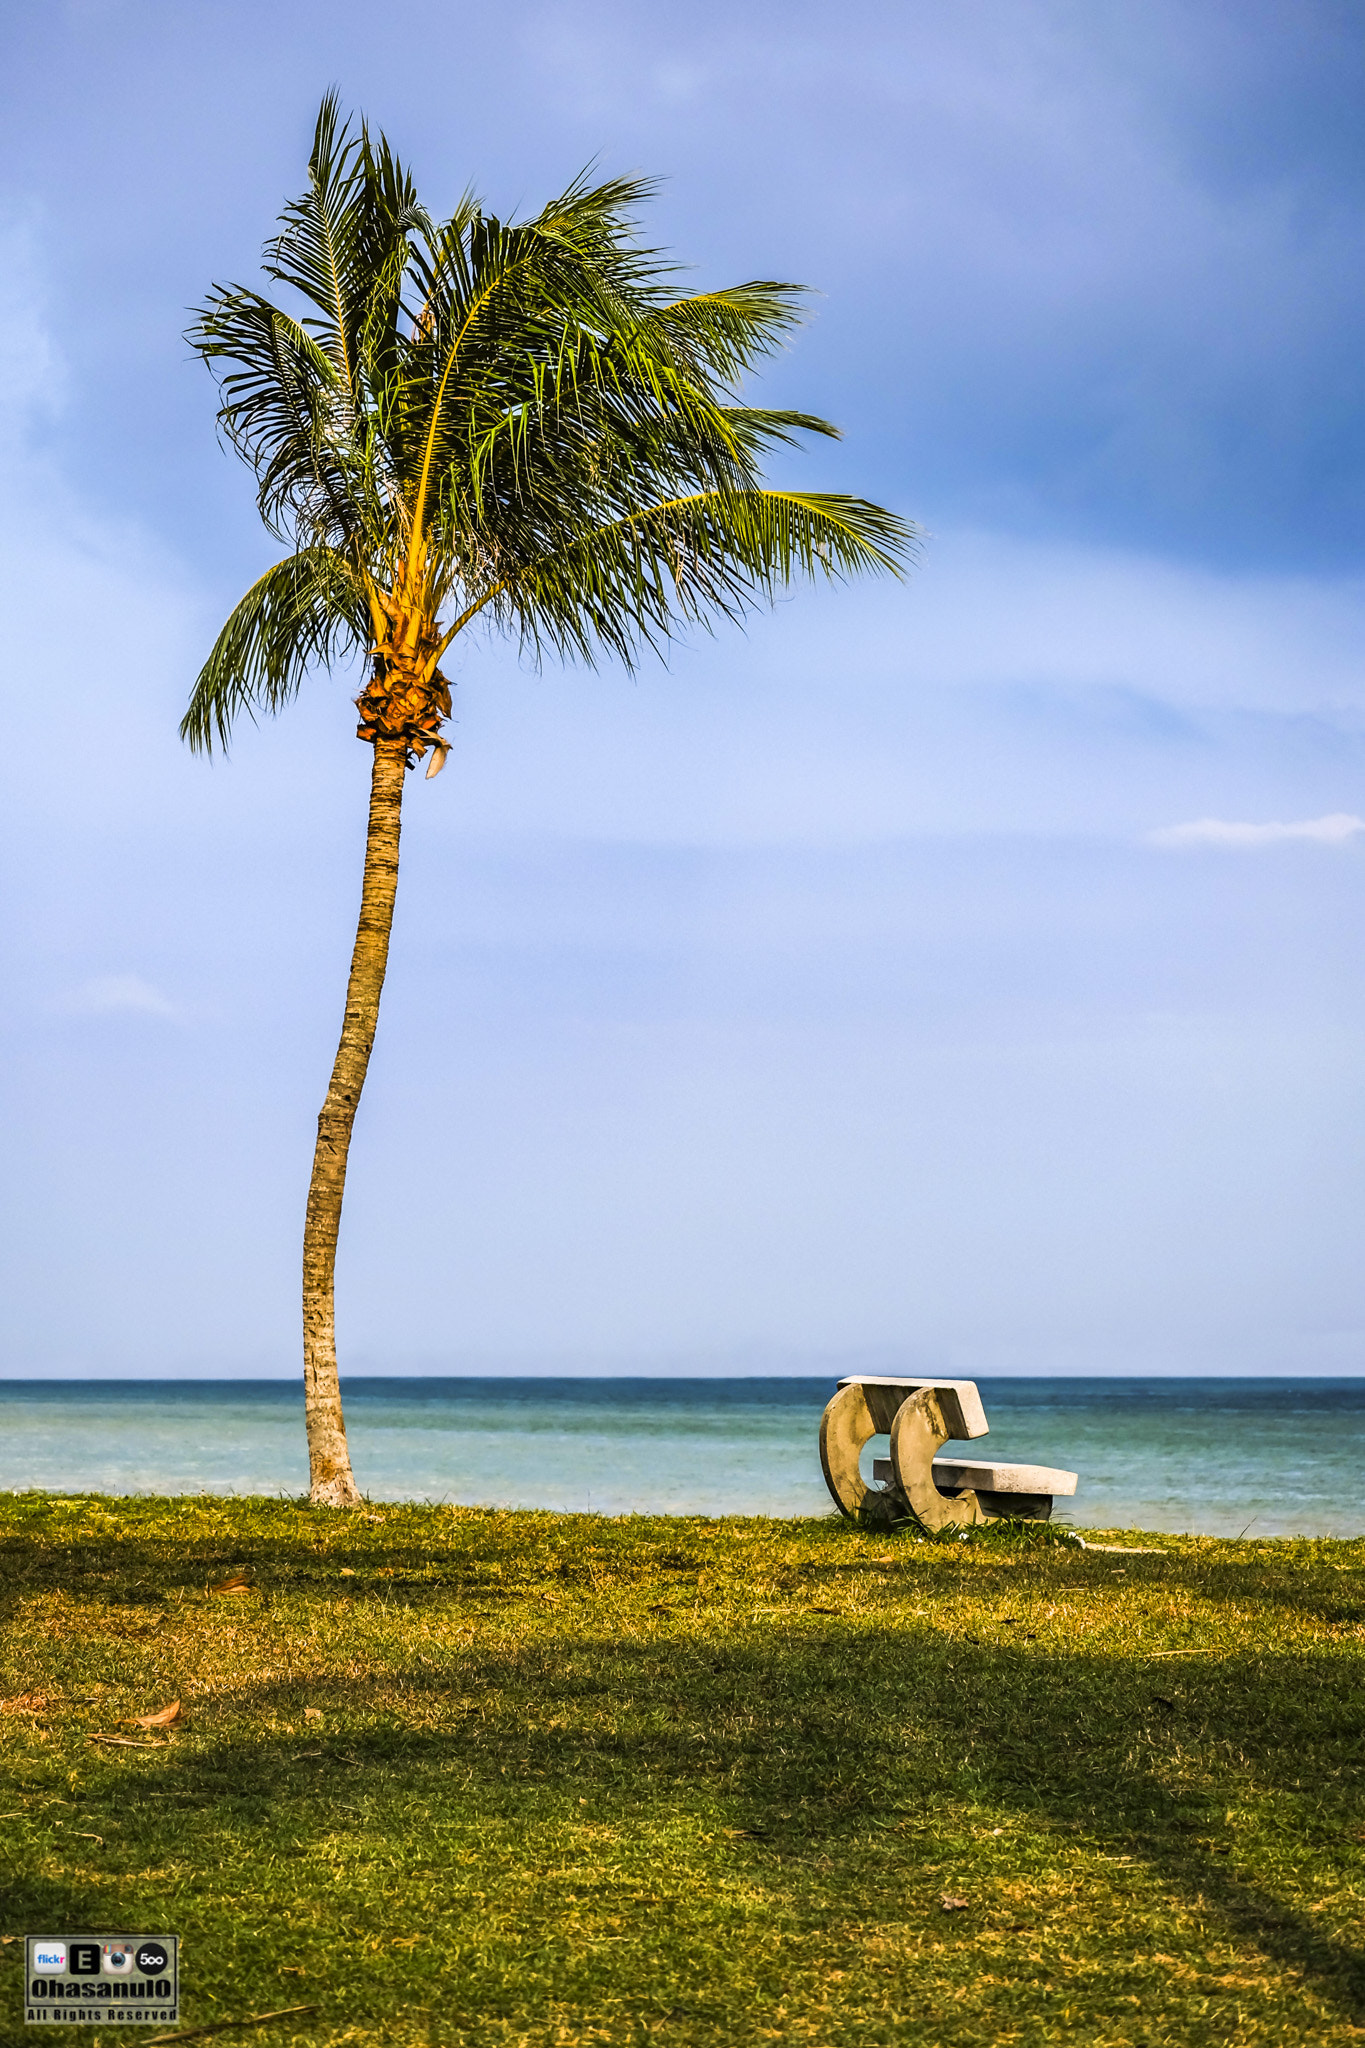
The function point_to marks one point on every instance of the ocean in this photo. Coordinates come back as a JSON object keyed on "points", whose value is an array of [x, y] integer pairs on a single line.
{"points": [[1274, 1457]]}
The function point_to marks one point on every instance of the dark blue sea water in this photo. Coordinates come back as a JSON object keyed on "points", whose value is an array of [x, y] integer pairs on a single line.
{"points": [[1277, 1457]]}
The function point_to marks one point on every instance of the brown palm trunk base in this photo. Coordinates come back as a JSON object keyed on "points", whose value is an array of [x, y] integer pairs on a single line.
{"points": [[332, 1483]]}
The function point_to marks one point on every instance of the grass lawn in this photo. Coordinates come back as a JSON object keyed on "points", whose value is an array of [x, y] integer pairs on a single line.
{"points": [[454, 1776]]}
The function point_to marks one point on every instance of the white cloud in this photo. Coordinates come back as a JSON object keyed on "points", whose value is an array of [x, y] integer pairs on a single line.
{"points": [[1334, 830], [107, 993]]}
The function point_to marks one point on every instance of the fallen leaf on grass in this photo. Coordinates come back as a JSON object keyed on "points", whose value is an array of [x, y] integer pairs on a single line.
{"points": [[348, 1571], [123, 1741], [312, 1713], [25, 1703], [238, 1583], [165, 1717], [1123, 1549], [952, 1905]]}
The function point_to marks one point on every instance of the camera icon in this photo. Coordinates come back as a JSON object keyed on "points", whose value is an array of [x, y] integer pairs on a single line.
{"points": [[118, 1959]]}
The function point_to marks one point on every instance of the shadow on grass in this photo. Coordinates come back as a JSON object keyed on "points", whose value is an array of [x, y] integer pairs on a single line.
{"points": [[148, 1554], [817, 1737], [814, 1739], [156, 1550]]}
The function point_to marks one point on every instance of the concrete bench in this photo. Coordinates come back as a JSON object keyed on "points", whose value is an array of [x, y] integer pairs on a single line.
{"points": [[920, 1416]]}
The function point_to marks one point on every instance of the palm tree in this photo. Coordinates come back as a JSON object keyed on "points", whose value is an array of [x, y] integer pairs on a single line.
{"points": [[465, 420]]}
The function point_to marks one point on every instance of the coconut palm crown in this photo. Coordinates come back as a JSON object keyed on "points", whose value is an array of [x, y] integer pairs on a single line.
{"points": [[471, 420]]}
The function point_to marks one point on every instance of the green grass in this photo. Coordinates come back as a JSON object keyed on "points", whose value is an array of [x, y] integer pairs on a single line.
{"points": [[579, 1780]]}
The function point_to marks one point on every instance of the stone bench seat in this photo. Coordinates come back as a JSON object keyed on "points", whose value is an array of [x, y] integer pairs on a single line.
{"points": [[954, 1475], [920, 1416]]}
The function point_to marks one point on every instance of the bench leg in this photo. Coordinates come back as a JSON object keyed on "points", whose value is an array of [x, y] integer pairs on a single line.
{"points": [[918, 1434], [845, 1427]]}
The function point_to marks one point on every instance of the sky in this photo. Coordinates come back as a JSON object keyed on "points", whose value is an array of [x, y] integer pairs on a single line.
{"points": [[962, 975]]}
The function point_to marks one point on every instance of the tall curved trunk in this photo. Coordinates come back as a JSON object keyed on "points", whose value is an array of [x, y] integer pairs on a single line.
{"points": [[332, 1483]]}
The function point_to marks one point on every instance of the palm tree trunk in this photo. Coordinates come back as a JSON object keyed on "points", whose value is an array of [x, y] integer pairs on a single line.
{"points": [[332, 1483]]}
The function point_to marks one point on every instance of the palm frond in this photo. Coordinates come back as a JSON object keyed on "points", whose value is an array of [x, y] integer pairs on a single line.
{"points": [[520, 420], [337, 242], [714, 555], [723, 334], [307, 609]]}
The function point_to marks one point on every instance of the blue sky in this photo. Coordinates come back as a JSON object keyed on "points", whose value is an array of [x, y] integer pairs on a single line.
{"points": [[916, 976]]}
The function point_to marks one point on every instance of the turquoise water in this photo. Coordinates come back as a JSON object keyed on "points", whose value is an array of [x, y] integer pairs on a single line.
{"points": [[1281, 1457]]}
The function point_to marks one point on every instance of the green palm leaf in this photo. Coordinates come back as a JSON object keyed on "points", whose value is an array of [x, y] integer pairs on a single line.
{"points": [[717, 554], [306, 611], [523, 421]]}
